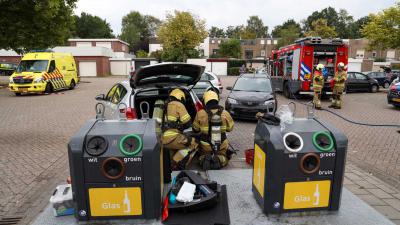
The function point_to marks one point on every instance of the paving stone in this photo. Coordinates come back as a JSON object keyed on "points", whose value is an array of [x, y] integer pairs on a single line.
{"points": [[353, 177], [364, 184], [372, 200], [387, 189], [389, 212], [397, 222], [395, 203], [379, 193], [357, 190]]}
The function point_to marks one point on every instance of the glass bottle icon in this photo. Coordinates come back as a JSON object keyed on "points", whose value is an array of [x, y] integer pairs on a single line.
{"points": [[316, 196], [127, 203]]}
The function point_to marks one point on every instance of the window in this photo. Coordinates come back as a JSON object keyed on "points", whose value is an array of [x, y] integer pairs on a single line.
{"points": [[110, 93], [52, 66], [351, 76], [123, 48], [360, 76], [215, 51], [390, 54], [262, 41], [268, 42], [262, 52], [360, 54], [119, 94], [275, 42], [212, 41], [219, 41], [248, 54], [373, 54]]}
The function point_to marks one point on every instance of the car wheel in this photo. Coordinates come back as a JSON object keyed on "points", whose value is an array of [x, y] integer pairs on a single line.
{"points": [[386, 85], [49, 88], [18, 94], [72, 85], [374, 88]]}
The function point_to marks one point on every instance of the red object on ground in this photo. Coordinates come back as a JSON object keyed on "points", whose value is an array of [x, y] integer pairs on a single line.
{"points": [[165, 209], [249, 153]]}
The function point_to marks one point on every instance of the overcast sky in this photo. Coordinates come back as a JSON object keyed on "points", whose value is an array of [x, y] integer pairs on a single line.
{"points": [[222, 13]]}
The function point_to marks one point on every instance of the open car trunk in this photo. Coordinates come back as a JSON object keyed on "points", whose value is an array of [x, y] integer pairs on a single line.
{"points": [[152, 95]]}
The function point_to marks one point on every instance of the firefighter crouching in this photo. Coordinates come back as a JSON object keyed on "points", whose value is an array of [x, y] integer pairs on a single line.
{"points": [[176, 120], [338, 86], [212, 123], [318, 84]]}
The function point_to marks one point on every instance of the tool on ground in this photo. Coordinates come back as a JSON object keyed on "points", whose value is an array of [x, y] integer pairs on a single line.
{"points": [[61, 200], [300, 167], [116, 169]]}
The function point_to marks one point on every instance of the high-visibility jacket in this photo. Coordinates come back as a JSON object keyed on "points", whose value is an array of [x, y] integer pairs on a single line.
{"points": [[201, 125], [318, 81], [340, 79], [176, 120]]}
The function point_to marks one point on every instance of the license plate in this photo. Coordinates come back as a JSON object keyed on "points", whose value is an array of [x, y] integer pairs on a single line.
{"points": [[396, 99], [121, 201], [23, 89]]}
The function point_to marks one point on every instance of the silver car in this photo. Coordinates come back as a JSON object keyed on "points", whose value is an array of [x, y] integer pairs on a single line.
{"points": [[149, 84], [215, 81]]}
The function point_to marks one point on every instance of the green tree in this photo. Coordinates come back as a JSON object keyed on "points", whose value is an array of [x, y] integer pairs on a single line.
{"points": [[230, 48], [180, 34], [320, 28], [288, 35], [137, 29], [356, 27], [277, 31], [234, 31], [340, 21], [216, 32], [88, 26], [142, 54], [383, 29], [31, 24], [255, 25]]}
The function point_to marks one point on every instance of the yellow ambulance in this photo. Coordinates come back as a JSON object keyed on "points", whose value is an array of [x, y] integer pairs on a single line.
{"points": [[44, 72]]}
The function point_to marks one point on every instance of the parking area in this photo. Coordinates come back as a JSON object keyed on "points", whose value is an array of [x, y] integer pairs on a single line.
{"points": [[35, 130]]}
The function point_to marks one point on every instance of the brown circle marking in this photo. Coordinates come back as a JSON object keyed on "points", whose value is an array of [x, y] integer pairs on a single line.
{"points": [[304, 158], [113, 177]]}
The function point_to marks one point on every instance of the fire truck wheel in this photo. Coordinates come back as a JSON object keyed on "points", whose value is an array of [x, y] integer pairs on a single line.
{"points": [[286, 91]]}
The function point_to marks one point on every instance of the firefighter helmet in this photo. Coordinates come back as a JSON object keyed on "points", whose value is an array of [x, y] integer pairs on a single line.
{"points": [[178, 94], [340, 64], [210, 95], [320, 66]]}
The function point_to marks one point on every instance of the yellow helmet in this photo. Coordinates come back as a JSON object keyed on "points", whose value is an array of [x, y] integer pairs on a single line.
{"points": [[320, 66], [210, 95], [178, 94]]}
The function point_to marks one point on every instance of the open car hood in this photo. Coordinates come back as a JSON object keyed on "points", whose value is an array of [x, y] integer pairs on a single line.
{"points": [[164, 73]]}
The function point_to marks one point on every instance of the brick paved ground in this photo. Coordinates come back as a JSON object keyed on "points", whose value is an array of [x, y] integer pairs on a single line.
{"points": [[35, 131]]}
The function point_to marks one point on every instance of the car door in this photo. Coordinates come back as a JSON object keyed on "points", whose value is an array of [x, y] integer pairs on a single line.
{"points": [[351, 82], [362, 82]]}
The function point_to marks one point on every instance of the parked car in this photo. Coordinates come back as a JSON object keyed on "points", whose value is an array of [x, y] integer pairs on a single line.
{"points": [[7, 69], [357, 81], [381, 77], [393, 96], [214, 79], [202, 86], [250, 94], [152, 83]]}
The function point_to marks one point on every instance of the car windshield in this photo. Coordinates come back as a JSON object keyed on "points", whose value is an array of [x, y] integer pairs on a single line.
{"points": [[32, 66], [253, 84]]}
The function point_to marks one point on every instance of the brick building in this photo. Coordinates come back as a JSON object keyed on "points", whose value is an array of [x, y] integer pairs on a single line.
{"points": [[251, 48], [358, 50]]}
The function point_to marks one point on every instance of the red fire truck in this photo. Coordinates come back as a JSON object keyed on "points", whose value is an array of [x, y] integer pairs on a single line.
{"points": [[292, 66]]}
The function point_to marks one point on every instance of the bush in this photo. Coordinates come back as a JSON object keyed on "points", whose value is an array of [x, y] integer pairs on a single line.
{"points": [[234, 71], [380, 59], [236, 63]]}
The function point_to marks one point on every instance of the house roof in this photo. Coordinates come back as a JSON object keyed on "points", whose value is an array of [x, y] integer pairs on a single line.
{"points": [[85, 51], [97, 39]]}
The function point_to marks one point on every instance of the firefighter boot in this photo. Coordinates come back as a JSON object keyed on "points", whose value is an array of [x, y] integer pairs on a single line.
{"points": [[334, 101], [338, 102], [317, 100]]}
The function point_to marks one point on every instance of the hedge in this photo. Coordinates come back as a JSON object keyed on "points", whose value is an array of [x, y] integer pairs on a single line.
{"points": [[234, 71], [236, 63]]}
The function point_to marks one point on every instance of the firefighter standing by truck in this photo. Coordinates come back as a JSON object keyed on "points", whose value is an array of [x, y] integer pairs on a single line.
{"points": [[318, 84], [338, 86], [176, 120], [212, 123]]}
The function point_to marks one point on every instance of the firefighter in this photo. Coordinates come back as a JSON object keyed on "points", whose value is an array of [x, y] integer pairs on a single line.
{"points": [[181, 147], [318, 84], [338, 86], [212, 123]]}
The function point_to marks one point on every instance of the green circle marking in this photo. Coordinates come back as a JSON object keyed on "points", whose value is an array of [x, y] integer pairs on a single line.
{"points": [[138, 148], [314, 140]]}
